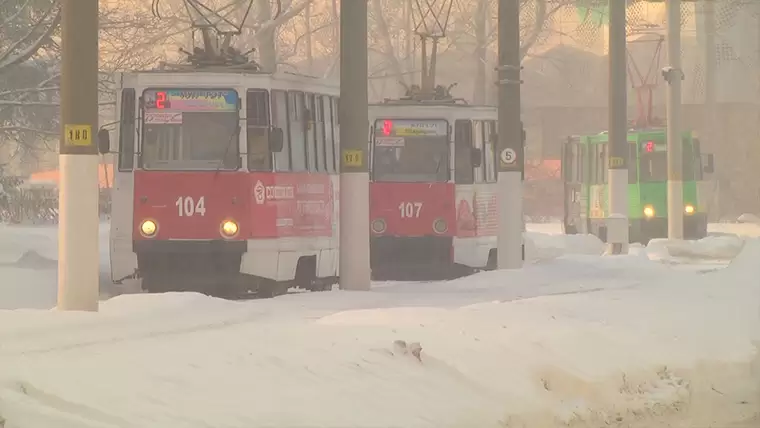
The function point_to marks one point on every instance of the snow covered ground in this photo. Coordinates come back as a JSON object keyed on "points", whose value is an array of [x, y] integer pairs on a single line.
{"points": [[28, 267], [663, 337]]}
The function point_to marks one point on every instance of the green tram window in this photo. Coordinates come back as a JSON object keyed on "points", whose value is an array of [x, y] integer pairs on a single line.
{"points": [[584, 164], [689, 161], [653, 161], [654, 167]]}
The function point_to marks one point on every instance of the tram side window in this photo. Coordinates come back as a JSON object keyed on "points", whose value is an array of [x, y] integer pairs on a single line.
{"points": [[599, 164], [598, 155], [310, 124], [583, 164], [570, 162], [336, 131], [297, 138], [688, 161], [489, 152], [127, 130], [280, 120], [695, 157], [477, 142], [319, 122], [463, 170], [603, 161], [593, 162], [319, 119], [327, 118], [577, 162], [633, 162], [566, 165], [257, 130]]}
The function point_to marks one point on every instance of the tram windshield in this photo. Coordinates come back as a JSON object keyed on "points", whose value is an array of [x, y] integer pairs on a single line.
{"points": [[190, 129], [414, 151]]}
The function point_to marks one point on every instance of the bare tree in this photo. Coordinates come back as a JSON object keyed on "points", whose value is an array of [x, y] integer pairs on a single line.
{"points": [[385, 16], [306, 42], [30, 59], [29, 81], [534, 18], [264, 30], [471, 29]]}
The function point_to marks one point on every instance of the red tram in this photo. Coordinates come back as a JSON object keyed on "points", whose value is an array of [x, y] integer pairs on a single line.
{"points": [[432, 187], [225, 182]]}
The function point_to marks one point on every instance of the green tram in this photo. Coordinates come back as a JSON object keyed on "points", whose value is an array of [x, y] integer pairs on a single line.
{"points": [[584, 172]]}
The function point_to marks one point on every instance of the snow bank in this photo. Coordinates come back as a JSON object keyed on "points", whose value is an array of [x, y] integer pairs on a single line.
{"points": [[748, 218], [747, 228], [543, 246], [710, 248], [652, 345], [28, 266]]}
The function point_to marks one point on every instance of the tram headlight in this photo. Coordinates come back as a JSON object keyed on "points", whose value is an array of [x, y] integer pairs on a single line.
{"points": [[148, 228], [379, 226], [229, 228], [648, 211], [689, 209], [440, 226]]}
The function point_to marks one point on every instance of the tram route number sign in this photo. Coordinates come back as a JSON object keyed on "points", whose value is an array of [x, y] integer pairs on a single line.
{"points": [[353, 158], [508, 156]]}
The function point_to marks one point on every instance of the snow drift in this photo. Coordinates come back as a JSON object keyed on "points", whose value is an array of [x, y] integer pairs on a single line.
{"points": [[642, 346]]}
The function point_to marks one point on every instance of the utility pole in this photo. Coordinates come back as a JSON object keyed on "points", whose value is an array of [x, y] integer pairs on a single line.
{"points": [[78, 256], [710, 112], [674, 76], [617, 228], [354, 130], [511, 144]]}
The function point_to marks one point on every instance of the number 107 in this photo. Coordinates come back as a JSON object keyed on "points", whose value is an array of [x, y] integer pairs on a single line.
{"points": [[410, 209]]}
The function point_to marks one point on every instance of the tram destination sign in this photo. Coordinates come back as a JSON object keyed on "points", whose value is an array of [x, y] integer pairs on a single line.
{"points": [[192, 99], [411, 128]]}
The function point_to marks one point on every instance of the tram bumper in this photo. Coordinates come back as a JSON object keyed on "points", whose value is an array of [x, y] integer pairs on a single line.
{"points": [[189, 265], [401, 256], [694, 227]]}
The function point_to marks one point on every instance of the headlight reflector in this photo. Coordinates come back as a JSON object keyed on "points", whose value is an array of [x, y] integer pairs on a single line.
{"points": [[440, 226], [378, 225]]}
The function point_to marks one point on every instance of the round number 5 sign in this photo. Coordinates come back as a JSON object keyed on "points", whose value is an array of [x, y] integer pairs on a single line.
{"points": [[508, 156]]}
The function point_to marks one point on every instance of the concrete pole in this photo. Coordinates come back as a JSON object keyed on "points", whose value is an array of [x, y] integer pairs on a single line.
{"points": [[354, 134], [511, 148], [674, 76], [78, 256], [617, 229], [710, 112]]}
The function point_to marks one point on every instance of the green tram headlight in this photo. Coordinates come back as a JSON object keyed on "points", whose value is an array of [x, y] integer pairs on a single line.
{"points": [[648, 211], [689, 209]]}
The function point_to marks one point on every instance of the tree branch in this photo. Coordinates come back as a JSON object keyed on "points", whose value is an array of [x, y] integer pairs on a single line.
{"points": [[26, 129], [7, 59], [29, 91], [292, 11]]}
